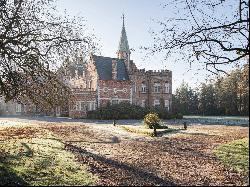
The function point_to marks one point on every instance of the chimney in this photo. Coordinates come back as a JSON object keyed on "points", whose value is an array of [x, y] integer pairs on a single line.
{"points": [[114, 69]]}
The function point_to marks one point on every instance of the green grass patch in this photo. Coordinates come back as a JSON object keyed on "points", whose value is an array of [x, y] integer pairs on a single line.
{"points": [[40, 162], [235, 154], [147, 131]]}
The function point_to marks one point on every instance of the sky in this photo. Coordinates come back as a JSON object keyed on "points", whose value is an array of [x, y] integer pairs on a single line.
{"points": [[104, 20]]}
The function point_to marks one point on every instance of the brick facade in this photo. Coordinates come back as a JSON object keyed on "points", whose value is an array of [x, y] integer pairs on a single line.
{"points": [[114, 92], [114, 80]]}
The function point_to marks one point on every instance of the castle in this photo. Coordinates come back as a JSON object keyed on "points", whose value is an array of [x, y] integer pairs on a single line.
{"points": [[104, 80], [115, 80]]}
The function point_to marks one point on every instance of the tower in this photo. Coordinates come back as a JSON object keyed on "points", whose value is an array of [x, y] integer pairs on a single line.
{"points": [[123, 48]]}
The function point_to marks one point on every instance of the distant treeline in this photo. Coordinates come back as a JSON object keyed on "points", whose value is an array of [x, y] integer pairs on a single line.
{"points": [[227, 95]]}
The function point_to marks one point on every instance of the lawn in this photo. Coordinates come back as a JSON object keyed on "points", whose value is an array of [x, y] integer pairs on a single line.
{"points": [[39, 161], [235, 154], [149, 132]]}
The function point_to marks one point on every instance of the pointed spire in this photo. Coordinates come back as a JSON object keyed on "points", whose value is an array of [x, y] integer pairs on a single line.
{"points": [[123, 25], [123, 44]]}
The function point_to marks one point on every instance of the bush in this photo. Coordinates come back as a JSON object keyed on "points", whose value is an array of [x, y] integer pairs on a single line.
{"points": [[152, 120]]}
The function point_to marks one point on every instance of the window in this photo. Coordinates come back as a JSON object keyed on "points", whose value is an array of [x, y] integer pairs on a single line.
{"points": [[166, 87], [157, 87], [93, 106], [18, 108], [115, 101], [89, 106], [143, 88], [156, 103], [167, 104], [83, 107], [86, 84], [143, 103], [90, 83], [134, 87]]}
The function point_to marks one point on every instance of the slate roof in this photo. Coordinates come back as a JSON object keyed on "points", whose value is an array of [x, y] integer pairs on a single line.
{"points": [[104, 68]]}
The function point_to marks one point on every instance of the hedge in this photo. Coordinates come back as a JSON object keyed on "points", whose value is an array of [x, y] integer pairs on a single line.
{"points": [[128, 111]]}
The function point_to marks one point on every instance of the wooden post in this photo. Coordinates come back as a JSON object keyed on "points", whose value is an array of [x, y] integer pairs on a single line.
{"points": [[155, 133], [185, 125]]}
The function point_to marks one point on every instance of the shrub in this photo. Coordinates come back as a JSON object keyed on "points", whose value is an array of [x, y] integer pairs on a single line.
{"points": [[152, 120]]}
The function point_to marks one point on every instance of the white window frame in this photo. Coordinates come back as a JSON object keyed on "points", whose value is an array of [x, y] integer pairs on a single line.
{"points": [[82, 106], [134, 87], [143, 103], [143, 88], [167, 87], [114, 100], [167, 104], [18, 108], [157, 87], [91, 105], [156, 102]]}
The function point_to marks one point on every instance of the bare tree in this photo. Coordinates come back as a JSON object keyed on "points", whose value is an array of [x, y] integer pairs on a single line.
{"points": [[33, 40], [214, 32]]}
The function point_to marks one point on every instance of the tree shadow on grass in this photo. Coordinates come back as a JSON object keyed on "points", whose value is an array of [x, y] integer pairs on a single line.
{"points": [[180, 131], [10, 178], [112, 172], [168, 132]]}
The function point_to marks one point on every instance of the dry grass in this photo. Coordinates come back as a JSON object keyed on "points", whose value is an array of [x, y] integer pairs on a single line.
{"points": [[183, 157]]}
